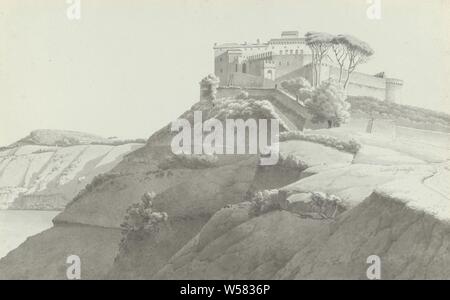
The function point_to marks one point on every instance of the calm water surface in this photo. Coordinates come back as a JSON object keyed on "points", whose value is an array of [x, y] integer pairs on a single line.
{"points": [[17, 225]]}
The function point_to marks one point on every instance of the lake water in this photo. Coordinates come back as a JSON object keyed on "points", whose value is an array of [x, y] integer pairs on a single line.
{"points": [[17, 225]]}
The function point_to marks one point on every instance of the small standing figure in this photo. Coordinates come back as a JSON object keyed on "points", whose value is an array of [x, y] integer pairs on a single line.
{"points": [[370, 125]]}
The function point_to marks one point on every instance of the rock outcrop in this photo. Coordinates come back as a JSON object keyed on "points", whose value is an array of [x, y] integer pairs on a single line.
{"points": [[319, 213]]}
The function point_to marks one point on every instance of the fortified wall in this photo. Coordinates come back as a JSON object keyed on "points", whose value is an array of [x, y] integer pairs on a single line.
{"points": [[266, 65]]}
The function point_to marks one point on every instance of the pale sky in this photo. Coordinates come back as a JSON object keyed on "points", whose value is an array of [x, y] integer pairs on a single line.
{"points": [[127, 68]]}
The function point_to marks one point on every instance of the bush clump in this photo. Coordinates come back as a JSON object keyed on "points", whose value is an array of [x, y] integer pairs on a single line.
{"points": [[328, 103], [351, 146], [299, 87], [242, 95], [324, 206], [263, 202], [232, 108], [141, 220], [292, 162], [209, 85]]}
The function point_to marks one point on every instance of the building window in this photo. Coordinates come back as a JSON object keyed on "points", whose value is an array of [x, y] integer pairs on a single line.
{"points": [[286, 52], [292, 51], [244, 68], [236, 68], [220, 59], [281, 52], [221, 71], [296, 51], [279, 63]]}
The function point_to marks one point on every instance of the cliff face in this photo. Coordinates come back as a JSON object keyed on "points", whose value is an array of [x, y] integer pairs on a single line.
{"points": [[388, 199], [325, 207], [35, 175], [390, 203], [281, 245]]}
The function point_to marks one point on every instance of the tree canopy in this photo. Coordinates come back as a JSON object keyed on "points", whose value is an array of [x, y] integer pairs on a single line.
{"points": [[328, 104], [211, 83], [349, 52], [317, 38], [353, 44], [319, 43]]}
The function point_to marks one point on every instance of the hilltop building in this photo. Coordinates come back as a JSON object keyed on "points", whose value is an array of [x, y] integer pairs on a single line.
{"points": [[264, 65]]}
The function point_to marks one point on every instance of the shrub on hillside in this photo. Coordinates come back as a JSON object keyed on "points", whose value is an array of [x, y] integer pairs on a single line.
{"points": [[304, 94], [328, 104], [298, 87], [141, 220], [232, 108], [325, 206], [101, 178], [209, 85], [292, 162], [263, 202], [242, 95], [351, 146]]}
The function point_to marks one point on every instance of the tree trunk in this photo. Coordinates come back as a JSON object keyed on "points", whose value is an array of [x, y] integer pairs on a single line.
{"points": [[347, 79], [350, 69], [319, 70], [315, 73], [330, 123]]}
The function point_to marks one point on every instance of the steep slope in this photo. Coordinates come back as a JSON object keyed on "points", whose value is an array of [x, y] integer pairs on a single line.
{"points": [[138, 261], [328, 204], [392, 208], [280, 245], [39, 176], [190, 195]]}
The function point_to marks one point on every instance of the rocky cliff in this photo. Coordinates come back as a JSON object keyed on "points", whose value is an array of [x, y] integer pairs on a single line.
{"points": [[334, 198]]}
